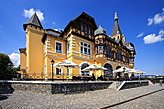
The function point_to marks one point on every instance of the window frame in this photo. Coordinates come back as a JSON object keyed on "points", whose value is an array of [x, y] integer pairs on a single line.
{"points": [[88, 48], [58, 73], [61, 46]]}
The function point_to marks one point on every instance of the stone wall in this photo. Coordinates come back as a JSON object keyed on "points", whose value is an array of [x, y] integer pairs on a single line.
{"points": [[132, 84], [54, 87]]}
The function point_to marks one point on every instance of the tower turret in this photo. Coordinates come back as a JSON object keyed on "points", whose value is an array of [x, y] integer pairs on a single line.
{"points": [[33, 21], [116, 32], [34, 46], [100, 41]]}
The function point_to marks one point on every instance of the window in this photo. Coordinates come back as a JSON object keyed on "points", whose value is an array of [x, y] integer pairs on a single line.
{"points": [[131, 60], [67, 71], [100, 49], [83, 66], [127, 59], [68, 45], [119, 56], [58, 47], [86, 29], [107, 51], [85, 48], [58, 71], [112, 54]]}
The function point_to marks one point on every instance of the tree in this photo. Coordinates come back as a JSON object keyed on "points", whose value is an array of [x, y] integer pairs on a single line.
{"points": [[6, 67]]}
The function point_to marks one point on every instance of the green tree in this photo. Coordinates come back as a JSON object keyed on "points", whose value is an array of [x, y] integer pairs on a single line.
{"points": [[6, 67]]}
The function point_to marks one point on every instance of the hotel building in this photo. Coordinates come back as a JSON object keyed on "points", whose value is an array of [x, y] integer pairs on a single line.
{"points": [[81, 41]]}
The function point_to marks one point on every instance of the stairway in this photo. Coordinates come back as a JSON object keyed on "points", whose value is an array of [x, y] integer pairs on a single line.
{"points": [[115, 84]]}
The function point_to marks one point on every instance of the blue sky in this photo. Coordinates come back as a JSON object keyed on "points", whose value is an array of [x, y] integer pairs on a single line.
{"points": [[141, 22]]}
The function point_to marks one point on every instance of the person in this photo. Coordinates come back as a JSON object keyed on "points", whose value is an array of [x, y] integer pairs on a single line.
{"points": [[117, 78], [160, 82]]}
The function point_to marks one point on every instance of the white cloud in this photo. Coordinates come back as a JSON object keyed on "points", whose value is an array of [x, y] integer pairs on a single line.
{"points": [[15, 58], [161, 32], [157, 19], [153, 38], [58, 29], [30, 12], [140, 34]]}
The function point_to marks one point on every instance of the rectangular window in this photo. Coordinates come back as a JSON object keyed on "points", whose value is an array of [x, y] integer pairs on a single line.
{"points": [[100, 49], [119, 56], [107, 51], [67, 71], [112, 54], [68, 45], [85, 48], [58, 71], [58, 47], [127, 59]]}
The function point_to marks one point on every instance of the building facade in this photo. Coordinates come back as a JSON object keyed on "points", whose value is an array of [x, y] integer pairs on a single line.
{"points": [[81, 42]]}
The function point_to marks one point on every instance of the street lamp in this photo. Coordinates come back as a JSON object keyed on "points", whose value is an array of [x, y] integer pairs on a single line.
{"points": [[52, 63], [124, 73]]}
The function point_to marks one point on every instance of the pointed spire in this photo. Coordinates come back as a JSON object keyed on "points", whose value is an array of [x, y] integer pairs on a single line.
{"points": [[116, 27], [115, 16], [34, 20]]}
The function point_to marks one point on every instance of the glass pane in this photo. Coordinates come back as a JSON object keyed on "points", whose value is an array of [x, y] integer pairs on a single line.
{"points": [[58, 47], [81, 43], [81, 49], [85, 50], [89, 51], [58, 71]]}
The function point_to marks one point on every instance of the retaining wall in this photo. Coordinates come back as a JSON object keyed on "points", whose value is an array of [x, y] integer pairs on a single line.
{"points": [[132, 84], [54, 87]]}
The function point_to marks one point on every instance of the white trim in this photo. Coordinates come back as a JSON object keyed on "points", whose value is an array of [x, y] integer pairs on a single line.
{"points": [[61, 46], [85, 47], [55, 52]]}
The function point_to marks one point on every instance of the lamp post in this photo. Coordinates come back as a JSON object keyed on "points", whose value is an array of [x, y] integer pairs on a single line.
{"points": [[52, 63], [124, 75]]}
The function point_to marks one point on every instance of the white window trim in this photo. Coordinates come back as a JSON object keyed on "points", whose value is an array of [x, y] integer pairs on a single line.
{"points": [[61, 46], [85, 47], [68, 48]]}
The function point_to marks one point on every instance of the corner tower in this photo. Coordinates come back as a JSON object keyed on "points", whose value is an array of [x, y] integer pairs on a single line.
{"points": [[100, 41], [34, 47]]}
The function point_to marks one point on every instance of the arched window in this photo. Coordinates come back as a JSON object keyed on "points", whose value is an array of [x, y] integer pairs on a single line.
{"points": [[118, 67], [109, 71], [84, 73]]}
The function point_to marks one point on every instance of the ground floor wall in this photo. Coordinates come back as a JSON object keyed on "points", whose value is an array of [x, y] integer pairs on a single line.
{"points": [[46, 73]]}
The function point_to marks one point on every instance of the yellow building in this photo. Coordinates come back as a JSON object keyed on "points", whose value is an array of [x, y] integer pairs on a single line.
{"points": [[81, 42]]}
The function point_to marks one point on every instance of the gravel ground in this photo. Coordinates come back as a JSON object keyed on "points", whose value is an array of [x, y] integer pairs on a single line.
{"points": [[153, 101], [88, 100]]}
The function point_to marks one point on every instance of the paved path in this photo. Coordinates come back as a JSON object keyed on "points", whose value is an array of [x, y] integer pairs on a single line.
{"points": [[88, 100]]}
